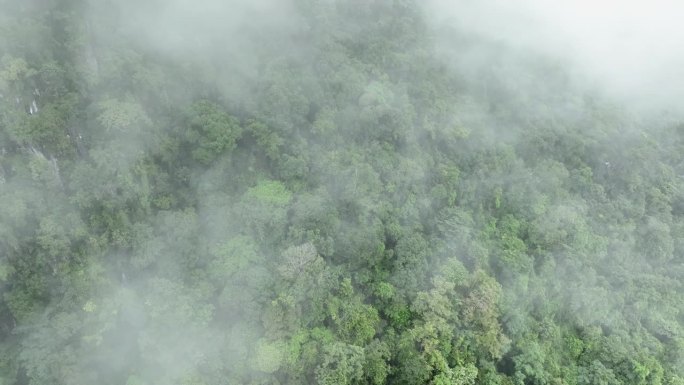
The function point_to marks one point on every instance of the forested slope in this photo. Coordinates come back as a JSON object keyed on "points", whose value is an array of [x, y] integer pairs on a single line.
{"points": [[345, 195]]}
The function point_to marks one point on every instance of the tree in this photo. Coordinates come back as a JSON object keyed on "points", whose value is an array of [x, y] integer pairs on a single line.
{"points": [[341, 364], [210, 131]]}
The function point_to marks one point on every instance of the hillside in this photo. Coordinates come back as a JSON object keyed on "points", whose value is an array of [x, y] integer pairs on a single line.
{"points": [[324, 192]]}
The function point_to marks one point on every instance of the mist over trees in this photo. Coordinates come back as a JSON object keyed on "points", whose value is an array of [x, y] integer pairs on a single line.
{"points": [[325, 192]]}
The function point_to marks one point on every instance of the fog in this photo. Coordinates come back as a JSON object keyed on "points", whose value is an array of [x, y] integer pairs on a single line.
{"points": [[630, 50], [338, 192]]}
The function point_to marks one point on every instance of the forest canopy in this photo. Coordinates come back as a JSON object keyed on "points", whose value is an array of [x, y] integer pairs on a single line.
{"points": [[325, 192]]}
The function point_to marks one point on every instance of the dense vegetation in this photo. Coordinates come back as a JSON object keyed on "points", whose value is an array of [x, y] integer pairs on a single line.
{"points": [[349, 196]]}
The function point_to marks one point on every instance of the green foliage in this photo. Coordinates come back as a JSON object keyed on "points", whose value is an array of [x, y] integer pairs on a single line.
{"points": [[355, 322], [211, 131], [326, 197], [270, 192], [377, 368], [263, 209], [231, 257], [342, 364], [268, 357]]}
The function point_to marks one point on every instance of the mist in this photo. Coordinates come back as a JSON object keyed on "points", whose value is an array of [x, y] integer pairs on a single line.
{"points": [[341, 192], [627, 50]]}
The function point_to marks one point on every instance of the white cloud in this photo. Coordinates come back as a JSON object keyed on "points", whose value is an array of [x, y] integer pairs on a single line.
{"points": [[633, 48]]}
